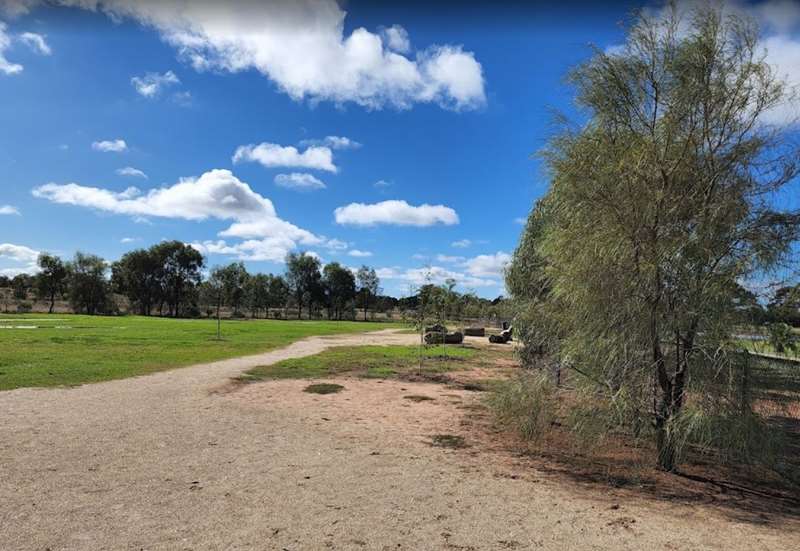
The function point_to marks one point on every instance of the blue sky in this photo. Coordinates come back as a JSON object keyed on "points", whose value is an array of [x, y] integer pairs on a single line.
{"points": [[447, 115]]}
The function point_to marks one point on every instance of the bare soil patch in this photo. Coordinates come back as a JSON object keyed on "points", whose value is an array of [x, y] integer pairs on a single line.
{"points": [[168, 461]]}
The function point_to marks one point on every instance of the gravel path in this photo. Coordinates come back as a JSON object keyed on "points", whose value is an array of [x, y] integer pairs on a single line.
{"points": [[174, 461]]}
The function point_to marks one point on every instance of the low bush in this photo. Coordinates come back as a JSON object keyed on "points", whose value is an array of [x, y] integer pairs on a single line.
{"points": [[526, 404]]}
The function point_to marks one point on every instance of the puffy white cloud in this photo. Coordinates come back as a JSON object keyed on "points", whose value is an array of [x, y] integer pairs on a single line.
{"points": [[273, 155], [9, 210], [5, 42], [215, 194], [21, 255], [359, 254], [151, 84], [302, 47], [126, 240], [487, 265], [395, 212], [461, 243], [396, 38], [334, 142], [18, 253], [36, 42], [130, 171], [110, 146], [300, 181]]}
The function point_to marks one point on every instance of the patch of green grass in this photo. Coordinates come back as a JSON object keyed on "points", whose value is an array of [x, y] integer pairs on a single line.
{"points": [[378, 362], [68, 349], [323, 388]]}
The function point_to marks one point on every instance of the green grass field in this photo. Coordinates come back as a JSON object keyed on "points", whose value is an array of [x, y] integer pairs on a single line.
{"points": [[39, 350], [365, 361]]}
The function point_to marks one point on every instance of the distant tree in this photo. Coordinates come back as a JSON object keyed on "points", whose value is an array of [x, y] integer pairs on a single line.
{"points": [[368, 287], [139, 275], [21, 283], [340, 288], [87, 287], [180, 266], [257, 293], [234, 279], [278, 292], [303, 278], [51, 279], [785, 305]]}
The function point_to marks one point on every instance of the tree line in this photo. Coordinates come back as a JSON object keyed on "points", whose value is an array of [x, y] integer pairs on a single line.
{"points": [[167, 279]]}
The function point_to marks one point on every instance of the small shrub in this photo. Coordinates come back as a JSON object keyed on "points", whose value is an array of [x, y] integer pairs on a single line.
{"points": [[324, 388], [24, 308], [449, 441], [781, 337], [525, 404]]}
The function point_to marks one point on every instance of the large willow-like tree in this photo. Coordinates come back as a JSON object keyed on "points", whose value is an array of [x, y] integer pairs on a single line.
{"points": [[659, 207]]}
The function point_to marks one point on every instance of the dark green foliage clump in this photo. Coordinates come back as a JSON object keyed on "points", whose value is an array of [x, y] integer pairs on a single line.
{"points": [[323, 388]]}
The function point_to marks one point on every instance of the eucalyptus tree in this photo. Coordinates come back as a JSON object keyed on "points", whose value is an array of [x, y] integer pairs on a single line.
{"points": [[87, 286], [51, 279], [303, 278], [658, 206], [340, 288], [368, 287]]}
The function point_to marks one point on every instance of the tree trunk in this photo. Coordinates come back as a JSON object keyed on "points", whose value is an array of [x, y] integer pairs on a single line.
{"points": [[52, 303]]}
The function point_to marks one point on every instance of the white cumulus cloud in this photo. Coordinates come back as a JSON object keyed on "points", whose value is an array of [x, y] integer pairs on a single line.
{"points": [[396, 38], [487, 265], [395, 212], [359, 254], [300, 181], [302, 47], [215, 194], [113, 146], [5, 42], [273, 155], [19, 254], [151, 84], [461, 243]]}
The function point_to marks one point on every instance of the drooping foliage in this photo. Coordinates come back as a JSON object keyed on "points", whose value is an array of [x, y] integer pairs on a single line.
{"points": [[659, 206]]}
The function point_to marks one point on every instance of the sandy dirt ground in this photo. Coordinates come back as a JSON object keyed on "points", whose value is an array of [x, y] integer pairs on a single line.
{"points": [[185, 460]]}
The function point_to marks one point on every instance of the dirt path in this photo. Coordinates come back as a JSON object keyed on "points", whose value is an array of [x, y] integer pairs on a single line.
{"points": [[166, 461]]}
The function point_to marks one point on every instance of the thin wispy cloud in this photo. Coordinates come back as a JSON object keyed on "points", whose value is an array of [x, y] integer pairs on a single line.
{"points": [[131, 172], [9, 210], [299, 181], [152, 84]]}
